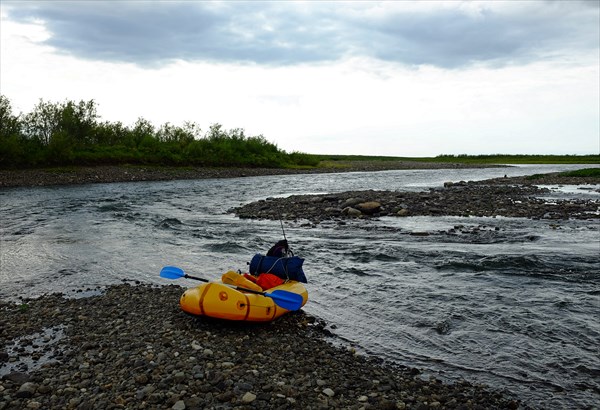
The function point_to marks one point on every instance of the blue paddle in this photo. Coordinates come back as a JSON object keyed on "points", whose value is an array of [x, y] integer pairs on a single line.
{"points": [[282, 298]]}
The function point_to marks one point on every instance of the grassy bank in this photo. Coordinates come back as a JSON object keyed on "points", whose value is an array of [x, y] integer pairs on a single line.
{"points": [[340, 160], [582, 174]]}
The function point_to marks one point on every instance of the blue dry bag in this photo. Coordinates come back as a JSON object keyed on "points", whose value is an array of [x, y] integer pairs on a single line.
{"points": [[286, 268]]}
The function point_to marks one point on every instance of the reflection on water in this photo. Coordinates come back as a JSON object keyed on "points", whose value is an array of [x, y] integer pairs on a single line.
{"points": [[505, 301]]}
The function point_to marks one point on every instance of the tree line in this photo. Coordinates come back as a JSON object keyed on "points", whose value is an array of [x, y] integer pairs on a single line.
{"points": [[71, 133]]}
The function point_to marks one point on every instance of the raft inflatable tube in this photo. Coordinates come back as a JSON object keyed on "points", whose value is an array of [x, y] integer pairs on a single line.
{"points": [[221, 301]]}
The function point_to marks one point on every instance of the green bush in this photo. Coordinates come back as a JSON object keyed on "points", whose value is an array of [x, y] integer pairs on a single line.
{"points": [[68, 133]]}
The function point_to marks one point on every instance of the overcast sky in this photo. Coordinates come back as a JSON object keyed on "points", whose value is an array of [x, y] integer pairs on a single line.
{"points": [[395, 78]]}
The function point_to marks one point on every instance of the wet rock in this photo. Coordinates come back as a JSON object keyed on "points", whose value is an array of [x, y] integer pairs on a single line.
{"points": [[248, 397], [225, 397], [179, 405], [351, 202], [328, 392], [351, 212], [27, 390], [141, 379], [17, 377], [333, 211], [369, 208]]}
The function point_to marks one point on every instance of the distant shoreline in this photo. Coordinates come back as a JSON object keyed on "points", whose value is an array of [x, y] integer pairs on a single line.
{"points": [[122, 173]]}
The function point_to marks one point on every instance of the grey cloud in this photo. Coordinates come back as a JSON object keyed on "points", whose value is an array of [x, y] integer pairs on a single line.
{"points": [[450, 38], [284, 33]]}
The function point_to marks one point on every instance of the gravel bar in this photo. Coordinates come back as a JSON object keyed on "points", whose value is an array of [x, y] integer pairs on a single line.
{"points": [[509, 197], [132, 347]]}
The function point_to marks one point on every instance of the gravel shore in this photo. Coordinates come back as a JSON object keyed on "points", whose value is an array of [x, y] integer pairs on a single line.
{"points": [[132, 347], [102, 174]]}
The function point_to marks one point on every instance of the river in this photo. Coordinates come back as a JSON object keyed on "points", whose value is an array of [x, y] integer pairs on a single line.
{"points": [[509, 302]]}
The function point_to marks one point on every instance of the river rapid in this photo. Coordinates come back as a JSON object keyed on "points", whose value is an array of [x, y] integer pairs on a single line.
{"points": [[509, 302]]}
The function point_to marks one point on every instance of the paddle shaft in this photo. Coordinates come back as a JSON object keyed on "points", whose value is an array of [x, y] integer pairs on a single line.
{"points": [[231, 286], [195, 278]]}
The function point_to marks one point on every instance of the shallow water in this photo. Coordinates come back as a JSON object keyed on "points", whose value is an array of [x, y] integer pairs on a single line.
{"points": [[504, 301]]}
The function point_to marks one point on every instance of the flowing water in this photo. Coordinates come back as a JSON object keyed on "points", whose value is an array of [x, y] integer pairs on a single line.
{"points": [[513, 303]]}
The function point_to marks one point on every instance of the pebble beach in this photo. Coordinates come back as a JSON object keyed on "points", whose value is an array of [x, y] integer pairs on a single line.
{"points": [[132, 347]]}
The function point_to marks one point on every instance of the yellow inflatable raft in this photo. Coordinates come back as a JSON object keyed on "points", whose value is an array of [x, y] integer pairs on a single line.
{"points": [[224, 301]]}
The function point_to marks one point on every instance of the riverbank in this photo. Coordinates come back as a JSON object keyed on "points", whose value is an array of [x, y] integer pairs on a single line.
{"points": [[132, 347], [105, 174]]}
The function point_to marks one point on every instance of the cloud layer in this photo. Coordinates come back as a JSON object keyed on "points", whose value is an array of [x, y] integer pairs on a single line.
{"points": [[408, 78], [449, 35]]}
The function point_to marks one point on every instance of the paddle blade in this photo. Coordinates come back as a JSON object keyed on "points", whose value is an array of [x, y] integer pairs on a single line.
{"points": [[285, 299], [172, 272]]}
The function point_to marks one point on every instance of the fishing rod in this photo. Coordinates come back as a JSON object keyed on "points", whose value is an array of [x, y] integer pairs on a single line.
{"points": [[282, 230], [288, 251]]}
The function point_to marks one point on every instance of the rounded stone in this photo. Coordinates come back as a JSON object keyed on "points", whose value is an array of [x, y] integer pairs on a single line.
{"points": [[248, 397]]}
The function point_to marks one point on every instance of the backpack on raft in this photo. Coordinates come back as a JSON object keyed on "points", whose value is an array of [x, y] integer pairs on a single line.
{"points": [[288, 268], [279, 261]]}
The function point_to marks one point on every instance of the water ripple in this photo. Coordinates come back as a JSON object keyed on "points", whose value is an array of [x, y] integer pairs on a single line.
{"points": [[169, 223]]}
